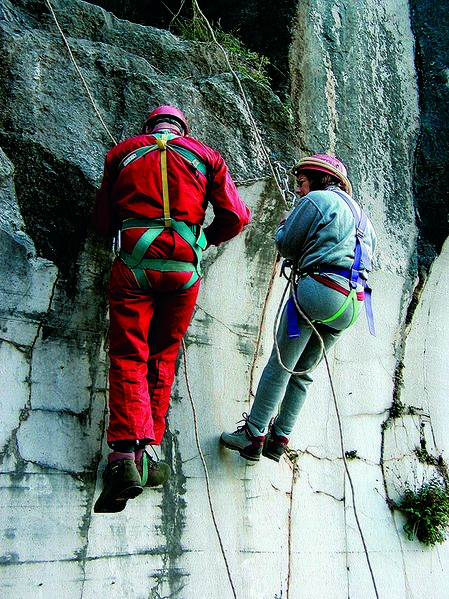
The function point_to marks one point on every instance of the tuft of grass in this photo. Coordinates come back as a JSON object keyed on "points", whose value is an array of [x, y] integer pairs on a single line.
{"points": [[245, 62], [427, 512]]}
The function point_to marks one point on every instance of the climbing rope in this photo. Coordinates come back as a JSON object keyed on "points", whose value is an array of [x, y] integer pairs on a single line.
{"points": [[206, 472], [291, 285], [284, 191], [323, 353], [245, 102], [195, 420], [348, 474], [79, 73]]}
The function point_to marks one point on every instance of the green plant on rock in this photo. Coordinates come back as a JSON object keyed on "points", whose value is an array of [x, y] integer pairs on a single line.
{"points": [[427, 512], [245, 62], [397, 409]]}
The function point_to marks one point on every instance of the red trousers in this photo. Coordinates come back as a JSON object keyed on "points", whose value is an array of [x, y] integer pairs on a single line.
{"points": [[146, 330]]}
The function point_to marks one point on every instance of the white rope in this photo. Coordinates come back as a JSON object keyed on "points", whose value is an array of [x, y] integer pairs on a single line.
{"points": [[291, 285], [245, 101], [183, 346], [206, 472], [291, 282], [351, 484], [323, 353], [80, 74]]}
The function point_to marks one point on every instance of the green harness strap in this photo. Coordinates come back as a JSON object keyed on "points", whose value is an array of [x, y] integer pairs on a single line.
{"points": [[352, 297], [138, 264], [135, 155], [188, 155]]}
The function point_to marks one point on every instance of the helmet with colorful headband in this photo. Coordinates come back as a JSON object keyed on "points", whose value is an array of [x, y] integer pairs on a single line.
{"points": [[166, 114], [326, 164]]}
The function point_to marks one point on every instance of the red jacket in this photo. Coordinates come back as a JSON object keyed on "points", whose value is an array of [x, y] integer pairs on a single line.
{"points": [[136, 192]]}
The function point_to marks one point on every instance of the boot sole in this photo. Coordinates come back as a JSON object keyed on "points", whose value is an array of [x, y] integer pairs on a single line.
{"points": [[272, 456], [118, 503], [251, 458], [129, 493]]}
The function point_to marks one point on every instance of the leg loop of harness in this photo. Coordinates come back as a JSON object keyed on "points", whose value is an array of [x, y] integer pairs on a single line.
{"points": [[193, 235], [292, 313], [351, 298]]}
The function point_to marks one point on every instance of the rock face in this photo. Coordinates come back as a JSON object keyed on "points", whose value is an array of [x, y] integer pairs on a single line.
{"points": [[318, 524], [430, 23]]}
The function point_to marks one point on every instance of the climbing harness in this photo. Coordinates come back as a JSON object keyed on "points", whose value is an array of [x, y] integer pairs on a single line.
{"points": [[152, 227], [291, 284], [188, 155], [353, 275]]}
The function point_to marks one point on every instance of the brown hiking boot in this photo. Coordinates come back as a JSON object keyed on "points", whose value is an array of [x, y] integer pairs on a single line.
{"points": [[121, 481], [153, 473]]}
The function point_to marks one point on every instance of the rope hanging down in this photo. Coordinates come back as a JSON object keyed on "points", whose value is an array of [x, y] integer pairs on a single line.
{"points": [[183, 344], [245, 101], [291, 285], [80, 74], [206, 471], [323, 353]]}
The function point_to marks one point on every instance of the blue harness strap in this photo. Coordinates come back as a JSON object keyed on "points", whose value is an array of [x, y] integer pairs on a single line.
{"points": [[292, 319], [361, 255]]}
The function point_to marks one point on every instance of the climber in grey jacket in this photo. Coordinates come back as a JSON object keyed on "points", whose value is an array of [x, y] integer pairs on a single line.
{"points": [[319, 238]]}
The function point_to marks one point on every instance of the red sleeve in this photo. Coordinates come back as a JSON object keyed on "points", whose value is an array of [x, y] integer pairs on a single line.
{"points": [[231, 214]]}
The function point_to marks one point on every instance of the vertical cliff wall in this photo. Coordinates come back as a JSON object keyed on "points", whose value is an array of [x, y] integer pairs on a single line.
{"points": [[315, 525]]}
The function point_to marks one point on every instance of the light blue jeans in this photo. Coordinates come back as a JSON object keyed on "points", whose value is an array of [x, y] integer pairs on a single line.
{"points": [[279, 391]]}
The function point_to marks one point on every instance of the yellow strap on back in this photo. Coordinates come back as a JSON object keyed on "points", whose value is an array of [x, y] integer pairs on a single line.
{"points": [[162, 144]]}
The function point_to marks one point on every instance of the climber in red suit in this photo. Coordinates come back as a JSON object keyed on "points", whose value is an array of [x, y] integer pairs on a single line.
{"points": [[154, 194]]}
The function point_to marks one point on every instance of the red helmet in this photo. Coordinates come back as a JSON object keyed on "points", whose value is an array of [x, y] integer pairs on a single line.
{"points": [[167, 114], [326, 164]]}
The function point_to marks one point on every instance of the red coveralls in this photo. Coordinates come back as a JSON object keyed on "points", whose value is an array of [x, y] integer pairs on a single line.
{"points": [[147, 326]]}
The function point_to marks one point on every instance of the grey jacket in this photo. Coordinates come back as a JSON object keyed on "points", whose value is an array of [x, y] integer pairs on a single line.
{"points": [[321, 231]]}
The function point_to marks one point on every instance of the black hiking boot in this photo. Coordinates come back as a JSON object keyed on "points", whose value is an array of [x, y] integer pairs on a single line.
{"points": [[245, 441], [274, 446]]}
